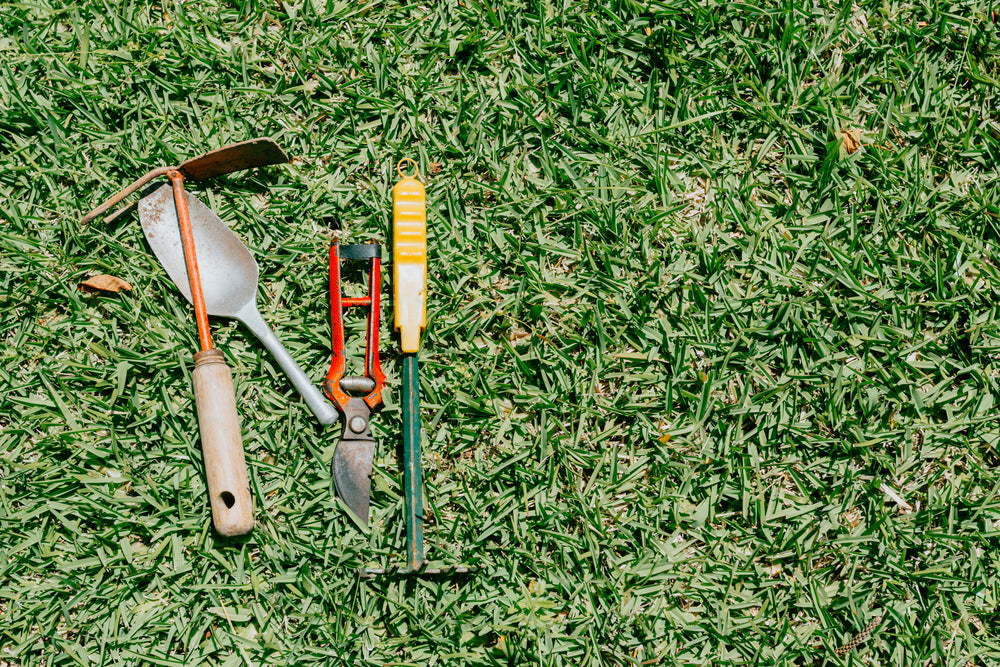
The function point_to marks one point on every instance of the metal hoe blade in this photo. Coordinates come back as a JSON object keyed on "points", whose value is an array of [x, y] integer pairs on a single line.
{"points": [[225, 160], [234, 157]]}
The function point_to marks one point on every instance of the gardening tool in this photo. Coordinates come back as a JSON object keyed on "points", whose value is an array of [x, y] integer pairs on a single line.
{"points": [[215, 399], [230, 288], [229, 275], [352, 460], [409, 269], [234, 157], [218, 420]]}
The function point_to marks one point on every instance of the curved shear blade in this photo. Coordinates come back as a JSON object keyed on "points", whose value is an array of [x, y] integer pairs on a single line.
{"points": [[352, 474]]}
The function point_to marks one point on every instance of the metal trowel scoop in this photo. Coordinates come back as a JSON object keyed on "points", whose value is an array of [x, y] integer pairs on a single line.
{"points": [[228, 278]]}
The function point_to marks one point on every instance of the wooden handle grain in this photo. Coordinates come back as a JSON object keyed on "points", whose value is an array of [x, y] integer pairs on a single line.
{"points": [[222, 445]]}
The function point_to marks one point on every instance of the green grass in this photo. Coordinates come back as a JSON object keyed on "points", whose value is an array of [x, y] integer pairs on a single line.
{"points": [[683, 345]]}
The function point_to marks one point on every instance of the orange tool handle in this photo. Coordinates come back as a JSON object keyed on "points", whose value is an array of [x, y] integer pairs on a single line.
{"points": [[191, 259]]}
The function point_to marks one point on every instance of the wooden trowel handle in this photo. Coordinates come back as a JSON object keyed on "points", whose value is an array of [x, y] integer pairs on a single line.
{"points": [[222, 445]]}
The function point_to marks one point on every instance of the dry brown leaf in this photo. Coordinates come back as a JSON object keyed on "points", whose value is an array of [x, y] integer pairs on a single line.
{"points": [[434, 168], [104, 283], [852, 140]]}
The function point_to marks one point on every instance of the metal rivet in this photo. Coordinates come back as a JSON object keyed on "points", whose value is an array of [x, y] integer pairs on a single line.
{"points": [[358, 424]]}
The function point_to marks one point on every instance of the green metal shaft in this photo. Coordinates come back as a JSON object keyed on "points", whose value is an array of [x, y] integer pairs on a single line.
{"points": [[412, 474]]}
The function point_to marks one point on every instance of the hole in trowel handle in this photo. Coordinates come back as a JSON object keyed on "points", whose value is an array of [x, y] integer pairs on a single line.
{"points": [[228, 498]]}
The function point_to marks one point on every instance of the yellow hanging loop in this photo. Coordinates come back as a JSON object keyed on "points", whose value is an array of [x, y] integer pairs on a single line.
{"points": [[411, 162], [409, 255]]}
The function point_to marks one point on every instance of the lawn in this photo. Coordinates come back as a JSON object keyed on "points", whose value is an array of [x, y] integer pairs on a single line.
{"points": [[711, 366]]}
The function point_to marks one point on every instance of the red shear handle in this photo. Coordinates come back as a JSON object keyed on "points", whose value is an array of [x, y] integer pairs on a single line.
{"points": [[373, 370]]}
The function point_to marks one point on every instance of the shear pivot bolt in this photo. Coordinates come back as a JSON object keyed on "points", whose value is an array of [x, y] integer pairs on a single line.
{"points": [[357, 424]]}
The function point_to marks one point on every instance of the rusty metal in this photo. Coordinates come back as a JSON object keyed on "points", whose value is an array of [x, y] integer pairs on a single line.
{"points": [[191, 259], [353, 458], [125, 192], [234, 157]]}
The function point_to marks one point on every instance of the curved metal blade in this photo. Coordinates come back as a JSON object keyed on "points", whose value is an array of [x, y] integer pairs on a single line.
{"points": [[228, 278], [352, 474], [234, 157], [228, 270], [258, 152]]}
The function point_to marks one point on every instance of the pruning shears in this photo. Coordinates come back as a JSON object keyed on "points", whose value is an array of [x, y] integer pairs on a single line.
{"points": [[356, 397]]}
